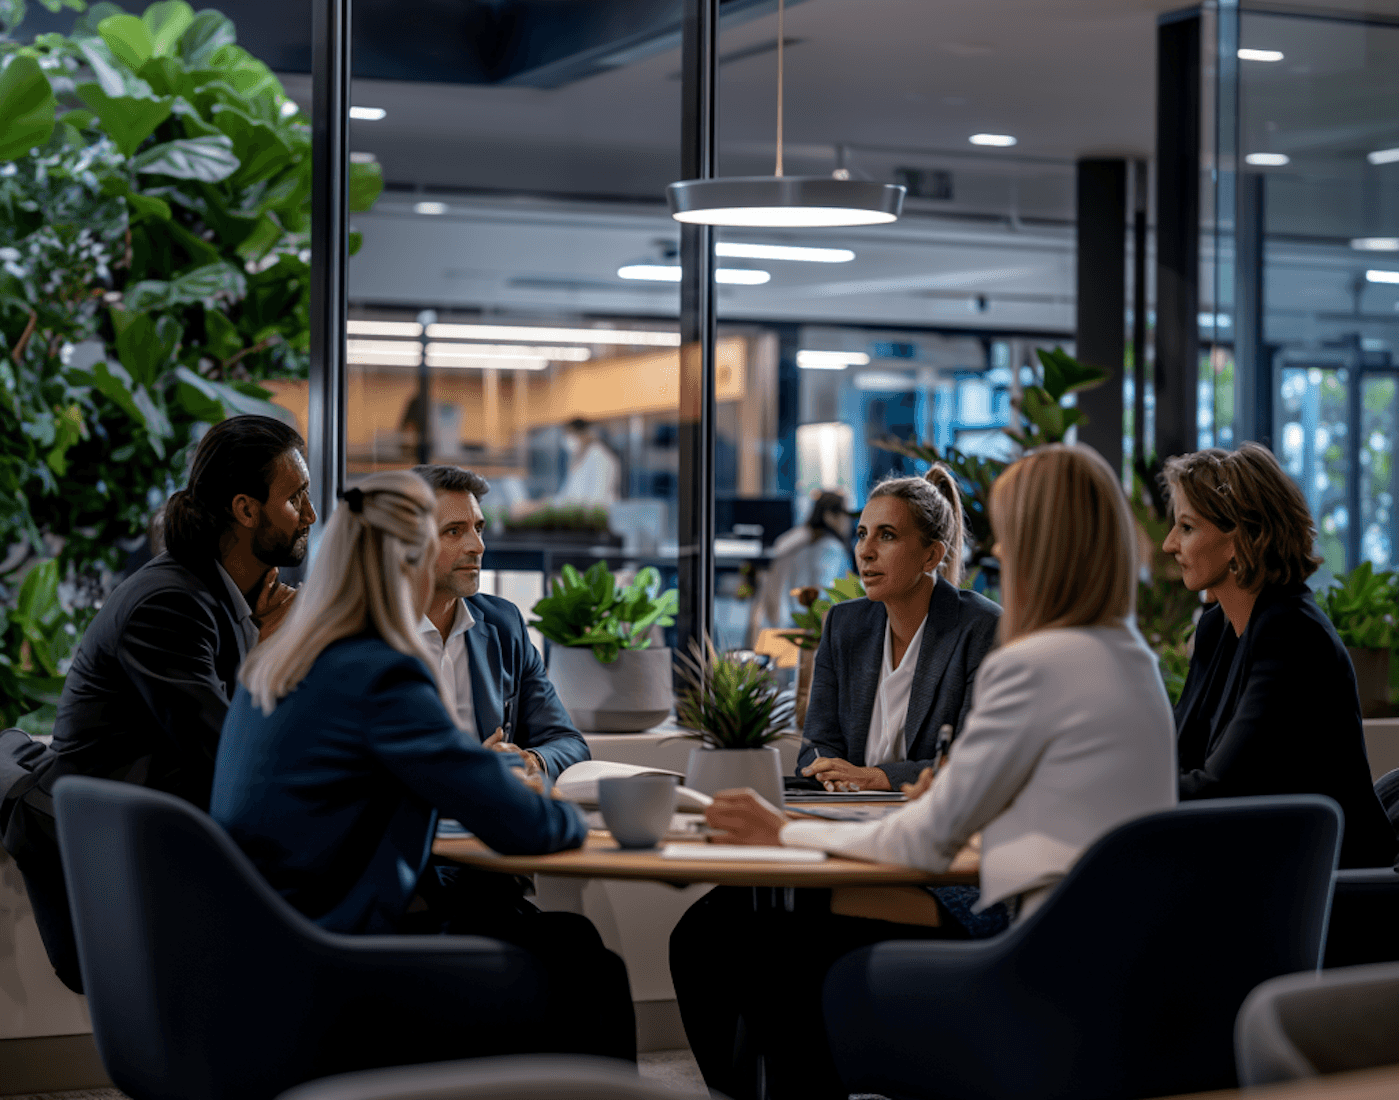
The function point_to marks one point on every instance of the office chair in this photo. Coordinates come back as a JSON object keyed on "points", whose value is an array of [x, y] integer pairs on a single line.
{"points": [[1364, 924], [1310, 1024], [541, 1077], [1123, 984], [203, 984]]}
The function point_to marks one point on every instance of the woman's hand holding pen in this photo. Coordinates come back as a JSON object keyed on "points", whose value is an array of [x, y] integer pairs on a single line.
{"points": [[919, 788]]}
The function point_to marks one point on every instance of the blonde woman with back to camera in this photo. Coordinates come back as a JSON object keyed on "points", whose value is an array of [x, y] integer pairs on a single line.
{"points": [[1270, 705], [338, 754], [1069, 735]]}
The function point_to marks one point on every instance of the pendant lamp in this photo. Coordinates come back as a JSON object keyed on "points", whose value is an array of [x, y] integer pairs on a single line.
{"points": [[783, 202]]}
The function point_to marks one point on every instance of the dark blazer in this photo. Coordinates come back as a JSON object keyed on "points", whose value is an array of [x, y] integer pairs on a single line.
{"points": [[1286, 721], [151, 682], [960, 631], [335, 795], [511, 690]]}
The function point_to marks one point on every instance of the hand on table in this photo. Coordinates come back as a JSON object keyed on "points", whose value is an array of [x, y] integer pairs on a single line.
{"points": [[529, 761], [743, 816], [272, 604], [841, 775], [919, 788]]}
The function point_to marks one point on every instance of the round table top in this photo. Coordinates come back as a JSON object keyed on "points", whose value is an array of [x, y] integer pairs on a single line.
{"points": [[600, 857]]}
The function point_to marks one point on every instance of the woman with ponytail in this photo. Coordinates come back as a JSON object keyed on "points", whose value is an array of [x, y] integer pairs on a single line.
{"points": [[894, 671], [338, 755]]}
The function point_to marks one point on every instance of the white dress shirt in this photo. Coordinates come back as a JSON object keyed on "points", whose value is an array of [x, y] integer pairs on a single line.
{"points": [[246, 626], [886, 743], [1069, 735], [453, 666]]}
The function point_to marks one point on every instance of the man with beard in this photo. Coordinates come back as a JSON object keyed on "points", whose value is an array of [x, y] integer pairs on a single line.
{"points": [[149, 685]]}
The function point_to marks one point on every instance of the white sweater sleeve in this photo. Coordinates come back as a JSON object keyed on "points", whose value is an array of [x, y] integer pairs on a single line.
{"points": [[989, 764]]}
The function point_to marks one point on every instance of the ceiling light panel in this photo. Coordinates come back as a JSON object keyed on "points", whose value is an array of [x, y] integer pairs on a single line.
{"points": [[1000, 141], [665, 273], [367, 114], [1375, 244], [429, 208], [385, 328], [831, 360], [627, 337], [506, 351], [797, 253], [1260, 55], [459, 362], [1375, 276], [1383, 156], [1268, 160]]}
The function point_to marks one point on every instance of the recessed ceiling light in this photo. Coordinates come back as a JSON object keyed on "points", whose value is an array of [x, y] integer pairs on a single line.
{"points": [[1268, 160], [658, 273], [363, 158], [784, 252], [1260, 55], [506, 351], [831, 360], [430, 208], [1383, 156], [368, 114], [1375, 244], [1000, 140], [630, 338], [1375, 276]]}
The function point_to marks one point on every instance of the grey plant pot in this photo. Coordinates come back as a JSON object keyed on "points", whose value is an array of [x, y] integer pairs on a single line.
{"points": [[631, 694], [714, 770]]}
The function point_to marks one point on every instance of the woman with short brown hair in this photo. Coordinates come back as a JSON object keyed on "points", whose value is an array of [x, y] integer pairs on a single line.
{"points": [[1270, 705]]}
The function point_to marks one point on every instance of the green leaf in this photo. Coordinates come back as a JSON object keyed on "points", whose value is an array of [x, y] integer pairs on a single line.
{"points": [[208, 159], [68, 430], [79, 118], [356, 241], [234, 400], [128, 120], [114, 382], [202, 285], [85, 26], [258, 147], [221, 337], [147, 206], [208, 33], [250, 78], [27, 107], [146, 344], [366, 184], [128, 38], [105, 67], [167, 22], [38, 604], [165, 75]]}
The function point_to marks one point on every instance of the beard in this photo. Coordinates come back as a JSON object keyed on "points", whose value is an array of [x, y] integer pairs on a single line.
{"points": [[274, 547], [460, 583]]}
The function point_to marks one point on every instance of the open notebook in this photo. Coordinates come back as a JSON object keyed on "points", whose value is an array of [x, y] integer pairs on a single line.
{"points": [[579, 783]]}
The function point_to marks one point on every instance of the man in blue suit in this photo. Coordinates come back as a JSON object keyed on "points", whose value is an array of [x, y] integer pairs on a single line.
{"points": [[492, 675]]}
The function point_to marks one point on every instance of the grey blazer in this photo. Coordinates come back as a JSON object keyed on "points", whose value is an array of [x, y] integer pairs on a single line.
{"points": [[961, 630]]}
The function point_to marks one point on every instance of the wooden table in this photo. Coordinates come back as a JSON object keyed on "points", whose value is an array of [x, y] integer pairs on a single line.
{"points": [[1370, 1084]]}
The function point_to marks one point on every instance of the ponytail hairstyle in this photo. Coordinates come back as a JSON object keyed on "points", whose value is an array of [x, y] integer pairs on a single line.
{"points": [[935, 505], [379, 539], [236, 457]]}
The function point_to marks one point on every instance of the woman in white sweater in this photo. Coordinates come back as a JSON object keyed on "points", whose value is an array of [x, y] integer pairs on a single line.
{"points": [[1070, 734]]}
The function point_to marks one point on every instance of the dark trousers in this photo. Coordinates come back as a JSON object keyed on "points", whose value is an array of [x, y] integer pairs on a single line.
{"points": [[748, 975], [588, 1005]]}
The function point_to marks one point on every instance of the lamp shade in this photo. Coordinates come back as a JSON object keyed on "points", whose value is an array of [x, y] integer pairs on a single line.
{"points": [[784, 201]]}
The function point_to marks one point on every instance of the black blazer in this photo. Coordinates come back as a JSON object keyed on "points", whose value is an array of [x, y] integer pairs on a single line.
{"points": [[961, 630], [1286, 721], [151, 682]]}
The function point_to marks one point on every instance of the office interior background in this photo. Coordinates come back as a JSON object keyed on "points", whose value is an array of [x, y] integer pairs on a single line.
{"points": [[520, 269]]}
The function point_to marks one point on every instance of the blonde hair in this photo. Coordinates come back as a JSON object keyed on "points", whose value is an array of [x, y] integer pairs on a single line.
{"points": [[1067, 542], [935, 505], [381, 534], [1246, 494]]}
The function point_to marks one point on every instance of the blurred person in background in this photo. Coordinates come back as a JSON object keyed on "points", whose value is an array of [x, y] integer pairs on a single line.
{"points": [[811, 555], [594, 477]]}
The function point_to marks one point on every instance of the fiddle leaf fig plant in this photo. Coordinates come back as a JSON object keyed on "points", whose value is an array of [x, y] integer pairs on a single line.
{"points": [[1362, 607], [155, 188], [591, 609]]}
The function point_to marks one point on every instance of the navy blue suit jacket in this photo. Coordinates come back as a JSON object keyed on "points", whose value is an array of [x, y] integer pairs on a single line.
{"points": [[335, 795], [511, 690], [960, 631]]}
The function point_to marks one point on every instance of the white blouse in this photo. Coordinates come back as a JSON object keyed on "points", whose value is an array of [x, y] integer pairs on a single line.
{"points": [[1069, 735], [886, 743]]}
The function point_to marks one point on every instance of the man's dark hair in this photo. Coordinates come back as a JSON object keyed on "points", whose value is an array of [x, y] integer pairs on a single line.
{"points": [[453, 479], [237, 456]]}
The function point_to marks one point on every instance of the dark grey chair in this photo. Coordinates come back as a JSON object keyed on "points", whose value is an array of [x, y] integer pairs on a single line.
{"points": [[1124, 983], [1364, 924], [546, 1077], [1310, 1024], [204, 984]]}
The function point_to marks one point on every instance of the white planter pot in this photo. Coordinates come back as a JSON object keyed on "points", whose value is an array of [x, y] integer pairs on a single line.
{"points": [[631, 694], [714, 770]]}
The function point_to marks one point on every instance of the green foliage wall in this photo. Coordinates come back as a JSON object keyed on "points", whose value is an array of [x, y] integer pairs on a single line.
{"points": [[155, 188]]}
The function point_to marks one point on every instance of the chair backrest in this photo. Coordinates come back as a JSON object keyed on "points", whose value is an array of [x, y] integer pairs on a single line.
{"points": [[1387, 791], [531, 1077], [1306, 1025], [1148, 947], [188, 957]]}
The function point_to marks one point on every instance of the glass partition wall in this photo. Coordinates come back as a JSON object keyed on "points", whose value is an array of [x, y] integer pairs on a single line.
{"points": [[1300, 287]]}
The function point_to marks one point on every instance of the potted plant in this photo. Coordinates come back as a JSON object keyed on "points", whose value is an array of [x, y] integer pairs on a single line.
{"points": [[733, 707], [1361, 606], [601, 661], [809, 622]]}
